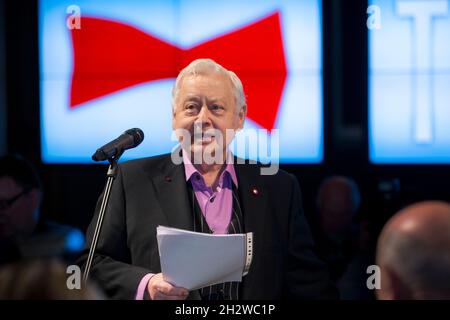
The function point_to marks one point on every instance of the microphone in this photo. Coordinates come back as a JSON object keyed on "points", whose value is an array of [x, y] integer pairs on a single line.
{"points": [[127, 140]]}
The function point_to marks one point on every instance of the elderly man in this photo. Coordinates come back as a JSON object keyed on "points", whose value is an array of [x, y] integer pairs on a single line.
{"points": [[414, 253], [217, 197]]}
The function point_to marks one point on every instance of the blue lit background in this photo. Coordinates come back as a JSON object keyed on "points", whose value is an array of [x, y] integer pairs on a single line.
{"points": [[409, 83], [71, 136]]}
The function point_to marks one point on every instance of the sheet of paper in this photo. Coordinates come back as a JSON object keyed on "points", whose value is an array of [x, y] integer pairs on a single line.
{"points": [[194, 260]]}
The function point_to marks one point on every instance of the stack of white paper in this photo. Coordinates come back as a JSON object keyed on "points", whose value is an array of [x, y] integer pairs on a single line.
{"points": [[194, 260]]}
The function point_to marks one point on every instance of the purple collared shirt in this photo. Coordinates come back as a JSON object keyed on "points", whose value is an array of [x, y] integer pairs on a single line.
{"points": [[216, 205]]}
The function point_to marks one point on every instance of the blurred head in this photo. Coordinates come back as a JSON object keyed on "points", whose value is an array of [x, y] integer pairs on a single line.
{"points": [[41, 280], [20, 195], [414, 253], [338, 201], [207, 99]]}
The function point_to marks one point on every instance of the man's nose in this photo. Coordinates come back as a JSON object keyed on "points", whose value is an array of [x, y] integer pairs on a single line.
{"points": [[204, 116]]}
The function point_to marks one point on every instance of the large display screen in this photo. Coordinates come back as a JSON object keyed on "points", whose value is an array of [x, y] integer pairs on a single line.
{"points": [[107, 66], [409, 82]]}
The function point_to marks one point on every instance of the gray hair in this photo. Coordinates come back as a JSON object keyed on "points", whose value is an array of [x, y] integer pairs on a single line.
{"points": [[207, 66]]}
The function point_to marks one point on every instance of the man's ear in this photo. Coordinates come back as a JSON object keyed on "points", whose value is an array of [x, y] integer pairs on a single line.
{"points": [[242, 114], [400, 289], [392, 286]]}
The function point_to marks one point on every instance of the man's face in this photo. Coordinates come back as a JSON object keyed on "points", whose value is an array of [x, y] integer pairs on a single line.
{"points": [[206, 108], [19, 218]]}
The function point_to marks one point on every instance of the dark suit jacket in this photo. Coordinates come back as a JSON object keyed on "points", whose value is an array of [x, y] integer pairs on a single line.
{"points": [[152, 191]]}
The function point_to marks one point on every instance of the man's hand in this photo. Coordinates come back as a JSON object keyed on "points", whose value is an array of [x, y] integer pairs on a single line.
{"points": [[159, 289]]}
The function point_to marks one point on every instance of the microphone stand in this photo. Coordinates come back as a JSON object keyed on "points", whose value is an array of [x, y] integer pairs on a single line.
{"points": [[111, 176]]}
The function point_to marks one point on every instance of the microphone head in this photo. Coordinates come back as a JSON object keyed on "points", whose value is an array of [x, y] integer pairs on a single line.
{"points": [[129, 139], [137, 134], [99, 155]]}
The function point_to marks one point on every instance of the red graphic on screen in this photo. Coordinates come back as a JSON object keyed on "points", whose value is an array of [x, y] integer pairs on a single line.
{"points": [[109, 56]]}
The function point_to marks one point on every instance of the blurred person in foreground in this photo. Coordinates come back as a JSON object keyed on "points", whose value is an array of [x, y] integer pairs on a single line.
{"points": [[413, 253], [23, 232], [41, 280]]}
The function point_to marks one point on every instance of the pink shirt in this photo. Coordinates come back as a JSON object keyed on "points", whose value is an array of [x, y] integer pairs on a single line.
{"points": [[216, 205]]}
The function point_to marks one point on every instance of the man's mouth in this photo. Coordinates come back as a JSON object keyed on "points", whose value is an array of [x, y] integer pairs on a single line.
{"points": [[203, 138]]}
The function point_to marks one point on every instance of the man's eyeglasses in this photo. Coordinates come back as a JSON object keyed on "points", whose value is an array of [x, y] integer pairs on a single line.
{"points": [[6, 203]]}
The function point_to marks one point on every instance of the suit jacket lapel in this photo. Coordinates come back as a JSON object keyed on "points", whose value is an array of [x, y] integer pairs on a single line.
{"points": [[172, 192], [254, 200]]}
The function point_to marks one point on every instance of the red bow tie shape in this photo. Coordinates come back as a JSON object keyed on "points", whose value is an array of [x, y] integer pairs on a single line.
{"points": [[109, 56]]}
